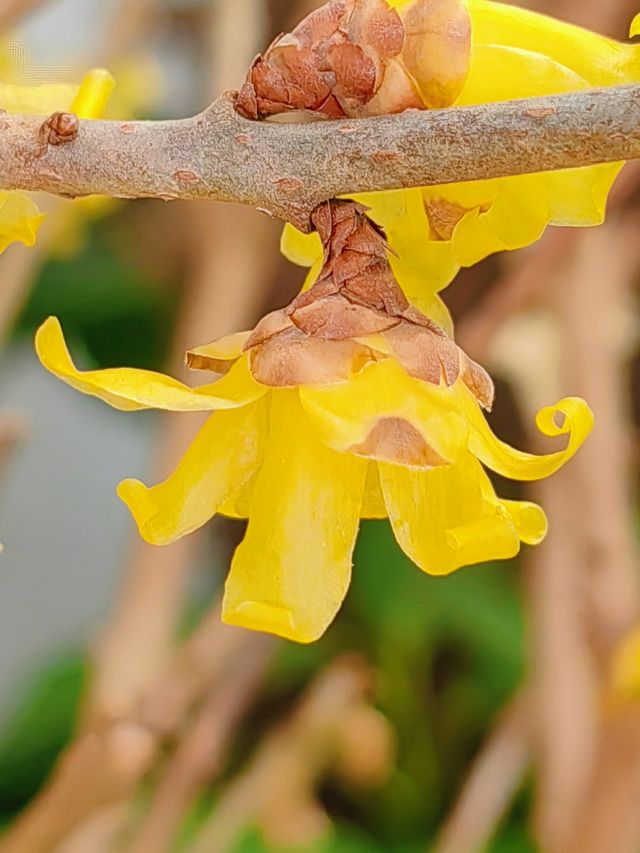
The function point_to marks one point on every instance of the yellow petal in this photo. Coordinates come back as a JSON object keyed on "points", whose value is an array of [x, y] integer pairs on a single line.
{"points": [[450, 516], [224, 456], [301, 249], [528, 519], [504, 72], [304, 250], [36, 100], [347, 412], [88, 100], [599, 60], [373, 499], [130, 389], [578, 197], [290, 574], [437, 48], [504, 214], [216, 355], [19, 219], [93, 94], [577, 423], [634, 27], [238, 504]]}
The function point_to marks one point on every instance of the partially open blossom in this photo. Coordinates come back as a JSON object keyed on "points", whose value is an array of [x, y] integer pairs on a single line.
{"points": [[514, 53], [20, 217], [347, 404], [364, 57]]}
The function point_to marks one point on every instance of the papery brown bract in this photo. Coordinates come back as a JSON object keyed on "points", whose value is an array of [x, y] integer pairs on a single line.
{"points": [[362, 57]]}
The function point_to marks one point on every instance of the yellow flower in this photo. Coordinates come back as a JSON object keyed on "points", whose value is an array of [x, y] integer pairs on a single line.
{"points": [[348, 404], [20, 217], [515, 53]]}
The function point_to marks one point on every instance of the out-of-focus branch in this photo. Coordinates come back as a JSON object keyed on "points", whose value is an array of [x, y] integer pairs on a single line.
{"points": [[288, 169], [516, 289], [12, 10], [278, 788], [13, 429], [598, 348], [610, 819], [600, 344], [564, 674], [105, 764], [131, 19], [583, 580], [493, 779], [201, 753]]}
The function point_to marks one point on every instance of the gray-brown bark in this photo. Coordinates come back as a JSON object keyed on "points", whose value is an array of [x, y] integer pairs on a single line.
{"points": [[288, 169]]}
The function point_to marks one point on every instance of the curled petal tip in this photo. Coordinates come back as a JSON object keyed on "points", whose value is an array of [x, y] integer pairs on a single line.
{"points": [[577, 423], [149, 519], [48, 336], [529, 520], [568, 414], [634, 28]]}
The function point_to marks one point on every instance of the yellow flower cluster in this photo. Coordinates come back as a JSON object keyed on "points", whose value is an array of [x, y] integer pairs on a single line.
{"points": [[354, 401], [348, 404], [20, 217], [515, 53]]}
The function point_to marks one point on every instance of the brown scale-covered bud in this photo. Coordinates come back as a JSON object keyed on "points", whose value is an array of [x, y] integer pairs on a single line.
{"points": [[60, 128], [354, 314], [355, 318], [362, 57]]}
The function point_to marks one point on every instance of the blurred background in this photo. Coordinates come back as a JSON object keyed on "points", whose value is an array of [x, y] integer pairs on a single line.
{"points": [[497, 709]]}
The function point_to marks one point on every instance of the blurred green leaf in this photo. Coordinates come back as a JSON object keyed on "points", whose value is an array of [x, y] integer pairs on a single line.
{"points": [[39, 729], [343, 839], [120, 315], [514, 839]]}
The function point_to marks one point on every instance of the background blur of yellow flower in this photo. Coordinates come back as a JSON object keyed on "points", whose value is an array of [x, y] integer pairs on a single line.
{"points": [[625, 667], [140, 84], [20, 217]]}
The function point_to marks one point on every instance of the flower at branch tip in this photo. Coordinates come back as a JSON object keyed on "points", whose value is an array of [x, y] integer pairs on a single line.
{"points": [[20, 217], [347, 404], [472, 52]]}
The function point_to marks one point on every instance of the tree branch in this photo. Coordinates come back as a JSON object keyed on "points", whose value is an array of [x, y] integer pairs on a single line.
{"points": [[288, 169], [13, 10]]}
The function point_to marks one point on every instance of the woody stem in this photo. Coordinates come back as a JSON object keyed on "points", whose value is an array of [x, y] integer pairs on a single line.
{"points": [[288, 169]]}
